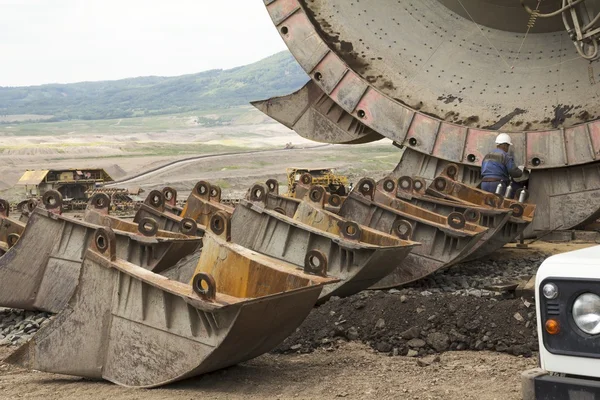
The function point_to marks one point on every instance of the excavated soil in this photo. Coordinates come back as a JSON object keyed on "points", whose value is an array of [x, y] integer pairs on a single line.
{"points": [[404, 323]]}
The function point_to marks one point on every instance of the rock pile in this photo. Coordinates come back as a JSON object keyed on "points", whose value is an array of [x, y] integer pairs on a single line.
{"points": [[474, 277], [410, 324], [18, 326]]}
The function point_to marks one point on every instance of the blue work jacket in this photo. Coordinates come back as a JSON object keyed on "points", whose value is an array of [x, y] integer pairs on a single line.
{"points": [[501, 165]]}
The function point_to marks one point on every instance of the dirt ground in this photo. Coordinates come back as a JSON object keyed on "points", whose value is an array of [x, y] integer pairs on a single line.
{"points": [[354, 372]]}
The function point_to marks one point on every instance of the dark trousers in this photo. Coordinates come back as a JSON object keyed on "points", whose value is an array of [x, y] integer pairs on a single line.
{"points": [[491, 187]]}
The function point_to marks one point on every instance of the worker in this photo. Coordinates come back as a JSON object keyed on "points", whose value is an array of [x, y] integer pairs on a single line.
{"points": [[499, 165]]}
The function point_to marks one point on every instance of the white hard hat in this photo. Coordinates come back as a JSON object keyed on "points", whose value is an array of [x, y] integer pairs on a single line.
{"points": [[503, 138]]}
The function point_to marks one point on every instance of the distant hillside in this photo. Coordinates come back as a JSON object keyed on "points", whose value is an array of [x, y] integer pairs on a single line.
{"points": [[273, 76]]}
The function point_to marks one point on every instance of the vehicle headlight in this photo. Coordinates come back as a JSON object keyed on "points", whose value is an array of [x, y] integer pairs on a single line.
{"points": [[550, 291], [586, 313]]}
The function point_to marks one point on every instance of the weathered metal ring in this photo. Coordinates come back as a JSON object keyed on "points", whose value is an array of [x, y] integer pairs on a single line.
{"points": [[202, 188], [350, 230], [148, 226], [472, 215], [517, 210], [203, 279], [104, 240], [389, 185], [334, 200], [456, 220], [188, 226], [169, 193], [316, 194], [403, 229], [315, 263], [258, 193], [405, 183], [419, 184], [306, 179], [215, 192], [273, 185], [100, 200], [156, 199], [12, 239], [217, 224], [366, 187], [440, 184], [451, 171], [31, 205], [52, 199]]}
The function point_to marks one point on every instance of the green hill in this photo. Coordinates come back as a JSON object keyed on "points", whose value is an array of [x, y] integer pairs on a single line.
{"points": [[273, 76]]}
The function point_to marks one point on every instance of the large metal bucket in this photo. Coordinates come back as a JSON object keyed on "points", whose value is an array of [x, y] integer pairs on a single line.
{"points": [[135, 328], [445, 186], [412, 190], [441, 244], [153, 210], [40, 272], [358, 255]]}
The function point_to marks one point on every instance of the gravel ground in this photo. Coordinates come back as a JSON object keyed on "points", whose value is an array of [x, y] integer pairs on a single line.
{"points": [[18, 326], [354, 371]]}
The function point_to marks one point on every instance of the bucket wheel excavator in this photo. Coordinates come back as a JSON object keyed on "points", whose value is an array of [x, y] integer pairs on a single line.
{"points": [[441, 79]]}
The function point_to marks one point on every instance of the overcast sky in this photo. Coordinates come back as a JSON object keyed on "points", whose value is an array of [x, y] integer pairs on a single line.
{"points": [[49, 41]]}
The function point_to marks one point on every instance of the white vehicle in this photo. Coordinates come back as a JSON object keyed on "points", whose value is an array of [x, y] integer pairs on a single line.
{"points": [[568, 313]]}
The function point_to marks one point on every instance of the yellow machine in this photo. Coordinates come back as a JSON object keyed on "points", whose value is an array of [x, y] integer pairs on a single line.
{"points": [[320, 176]]}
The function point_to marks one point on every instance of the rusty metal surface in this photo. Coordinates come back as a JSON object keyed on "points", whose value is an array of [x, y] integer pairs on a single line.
{"points": [[315, 116], [447, 185], [567, 197], [98, 212], [148, 331], [441, 245], [40, 272], [357, 255], [556, 191], [438, 100], [153, 211], [521, 217], [204, 202], [382, 80], [495, 220], [10, 229]]}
